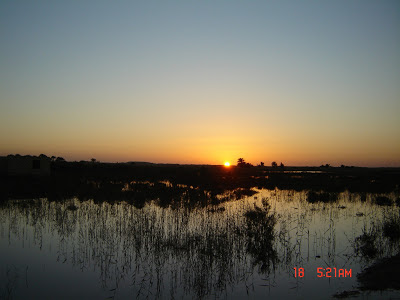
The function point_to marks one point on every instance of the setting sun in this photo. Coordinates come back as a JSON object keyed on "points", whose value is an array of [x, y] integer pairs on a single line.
{"points": [[227, 164]]}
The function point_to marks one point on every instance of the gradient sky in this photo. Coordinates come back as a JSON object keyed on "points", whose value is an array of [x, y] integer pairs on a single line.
{"points": [[302, 82]]}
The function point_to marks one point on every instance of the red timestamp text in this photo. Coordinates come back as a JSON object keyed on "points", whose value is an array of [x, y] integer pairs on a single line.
{"points": [[325, 272]]}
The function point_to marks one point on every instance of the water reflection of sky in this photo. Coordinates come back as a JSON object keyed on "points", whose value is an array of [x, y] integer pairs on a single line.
{"points": [[99, 251]]}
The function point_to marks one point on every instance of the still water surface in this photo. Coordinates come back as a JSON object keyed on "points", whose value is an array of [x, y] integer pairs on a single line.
{"points": [[74, 249]]}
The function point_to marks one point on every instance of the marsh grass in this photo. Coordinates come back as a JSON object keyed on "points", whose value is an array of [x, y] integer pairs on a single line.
{"points": [[209, 249], [193, 243], [381, 239]]}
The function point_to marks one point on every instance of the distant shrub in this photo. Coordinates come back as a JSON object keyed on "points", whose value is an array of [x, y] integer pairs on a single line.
{"points": [[241, 193], [325, 197]]}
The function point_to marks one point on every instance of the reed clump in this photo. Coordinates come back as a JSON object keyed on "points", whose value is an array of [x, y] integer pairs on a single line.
{"points": [[260, 223], [365, 244]]}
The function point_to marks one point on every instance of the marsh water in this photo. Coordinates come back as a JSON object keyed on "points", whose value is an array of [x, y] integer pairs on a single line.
{"points": [[245, 248]]}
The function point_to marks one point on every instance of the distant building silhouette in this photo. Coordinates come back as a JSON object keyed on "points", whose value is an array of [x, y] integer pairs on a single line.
{"points": [[25, 165]]}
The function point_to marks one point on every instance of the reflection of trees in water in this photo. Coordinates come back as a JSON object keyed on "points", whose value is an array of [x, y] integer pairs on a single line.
{"points": [[260, 235], [160, 251]]}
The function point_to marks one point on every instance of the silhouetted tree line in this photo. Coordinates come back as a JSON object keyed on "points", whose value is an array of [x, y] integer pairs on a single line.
{"points": [[241, 163]]}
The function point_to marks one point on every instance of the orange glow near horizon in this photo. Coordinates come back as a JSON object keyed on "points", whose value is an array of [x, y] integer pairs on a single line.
{"points": [[227, 164]]}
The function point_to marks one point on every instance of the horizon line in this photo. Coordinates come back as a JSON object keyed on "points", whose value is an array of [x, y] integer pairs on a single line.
{"points": [[202, 164]]}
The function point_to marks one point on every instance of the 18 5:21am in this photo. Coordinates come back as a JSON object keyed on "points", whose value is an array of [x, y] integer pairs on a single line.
{"points": [[325, 272]]}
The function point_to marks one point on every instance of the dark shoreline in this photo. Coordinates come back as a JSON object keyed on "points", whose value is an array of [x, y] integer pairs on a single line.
{"points": [[76, 179], [382, 275]]}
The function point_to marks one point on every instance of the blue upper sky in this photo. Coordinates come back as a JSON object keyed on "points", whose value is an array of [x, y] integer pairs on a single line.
{"points": [[304, 82]]}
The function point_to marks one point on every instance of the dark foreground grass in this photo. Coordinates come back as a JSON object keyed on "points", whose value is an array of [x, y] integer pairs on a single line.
{"points": [[382, 275]]}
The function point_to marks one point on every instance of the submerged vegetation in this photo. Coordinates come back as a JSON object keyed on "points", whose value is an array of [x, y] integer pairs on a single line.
{"points": [[151, 247]]}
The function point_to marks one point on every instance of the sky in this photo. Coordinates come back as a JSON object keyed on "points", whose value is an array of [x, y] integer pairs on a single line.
{"points": [[202, 82]]}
